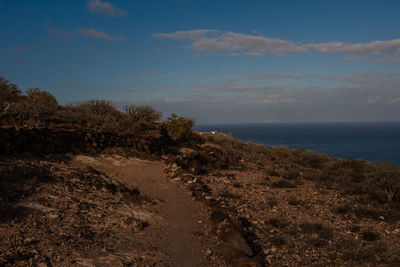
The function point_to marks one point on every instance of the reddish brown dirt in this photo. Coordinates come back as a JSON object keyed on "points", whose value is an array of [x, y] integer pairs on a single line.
{"points": [[183, 231], [88, 212]]}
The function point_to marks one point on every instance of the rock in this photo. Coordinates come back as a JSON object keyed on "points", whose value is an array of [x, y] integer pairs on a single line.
{"points": [[52, 216], [208, 252]]}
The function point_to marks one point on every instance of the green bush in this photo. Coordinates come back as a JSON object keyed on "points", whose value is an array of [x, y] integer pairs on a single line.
{"points": [[143, 113], [179, 128]]}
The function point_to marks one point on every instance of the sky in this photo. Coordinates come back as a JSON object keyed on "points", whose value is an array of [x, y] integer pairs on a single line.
{"points": [[214, 61]]}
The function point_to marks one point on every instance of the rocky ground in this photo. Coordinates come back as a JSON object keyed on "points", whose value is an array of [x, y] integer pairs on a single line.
{"points": [[220, 203], [87, 211], [290, 218]]}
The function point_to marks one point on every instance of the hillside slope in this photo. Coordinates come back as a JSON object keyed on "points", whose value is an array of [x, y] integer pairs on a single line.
{"points": [[213, 202]]}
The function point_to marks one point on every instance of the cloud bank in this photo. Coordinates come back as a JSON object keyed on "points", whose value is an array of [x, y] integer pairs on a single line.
{"points": [[205, 40], [365, 96]]}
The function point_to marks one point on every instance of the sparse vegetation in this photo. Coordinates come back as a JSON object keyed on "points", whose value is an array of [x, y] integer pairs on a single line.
{"points": [[274, 195], [9, 93], [387, 177], [39, 108], [179, 128], [142, 113]]}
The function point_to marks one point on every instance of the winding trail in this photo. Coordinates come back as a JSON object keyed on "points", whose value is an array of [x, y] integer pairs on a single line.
{"points": [[182, 230]]}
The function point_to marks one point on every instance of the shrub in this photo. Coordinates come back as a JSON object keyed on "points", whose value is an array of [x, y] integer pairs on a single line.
{"points": [[179, 128], [40, 105], [387, 177], [98, 107], [97, 113], [143, 113], [36, 107], [351, 171], [9, 93]]}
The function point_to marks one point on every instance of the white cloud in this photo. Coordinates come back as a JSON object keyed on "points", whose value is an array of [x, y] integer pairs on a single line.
{"points": [[185, 35], [90, 32], [368, 49], [258, 44], [104, 8], [255, 45]]}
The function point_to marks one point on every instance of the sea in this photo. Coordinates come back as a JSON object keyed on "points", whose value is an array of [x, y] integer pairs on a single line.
{"points": [[372, 141]]}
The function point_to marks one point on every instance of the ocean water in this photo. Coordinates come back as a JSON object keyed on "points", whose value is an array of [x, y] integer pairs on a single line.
{"points": [[369, 141]]}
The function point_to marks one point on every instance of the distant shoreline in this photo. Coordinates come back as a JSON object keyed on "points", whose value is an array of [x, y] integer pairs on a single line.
{"points": [[371, 141]]}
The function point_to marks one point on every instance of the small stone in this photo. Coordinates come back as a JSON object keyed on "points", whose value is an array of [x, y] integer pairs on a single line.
{"points": [[268, 259], [208, 252], [53, 216], [200, 221]]}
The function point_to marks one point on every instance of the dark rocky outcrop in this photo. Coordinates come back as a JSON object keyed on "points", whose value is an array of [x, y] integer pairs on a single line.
{"points": [[63, 140]]}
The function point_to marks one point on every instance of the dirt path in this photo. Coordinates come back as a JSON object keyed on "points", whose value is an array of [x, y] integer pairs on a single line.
{"points": [[182, 233]]}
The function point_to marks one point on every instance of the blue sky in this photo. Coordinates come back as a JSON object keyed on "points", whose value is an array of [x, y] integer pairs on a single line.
{"points": [[215, 61]]}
